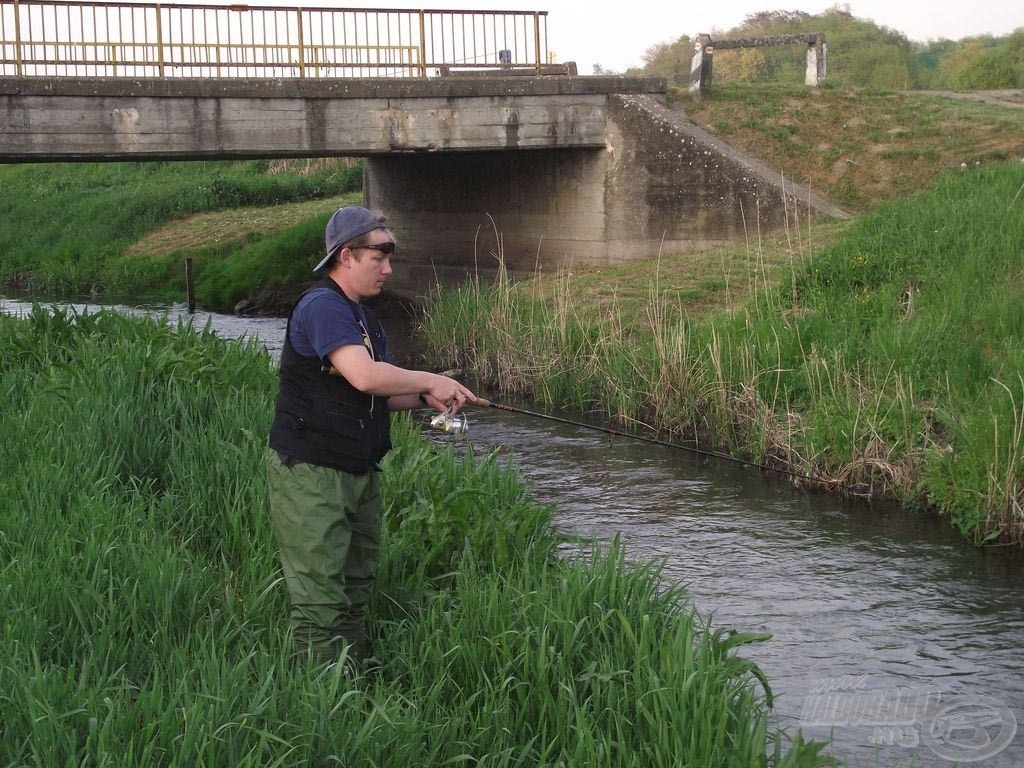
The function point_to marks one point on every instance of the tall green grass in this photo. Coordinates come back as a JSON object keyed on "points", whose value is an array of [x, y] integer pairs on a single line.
{"points": [[65, 229], [890, 364], [143, 614]]}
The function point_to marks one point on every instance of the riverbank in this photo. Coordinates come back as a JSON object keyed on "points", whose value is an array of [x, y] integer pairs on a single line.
{"points": [[146, 615], [124, 230], [887, 365]]}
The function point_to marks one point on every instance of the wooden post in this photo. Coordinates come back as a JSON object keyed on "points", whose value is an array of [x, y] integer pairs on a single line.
{"points": [[190, 286]]}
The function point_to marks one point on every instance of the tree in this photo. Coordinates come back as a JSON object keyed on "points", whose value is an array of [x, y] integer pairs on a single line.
{"points": [[990, 68], [670, 60], [741, 65]]}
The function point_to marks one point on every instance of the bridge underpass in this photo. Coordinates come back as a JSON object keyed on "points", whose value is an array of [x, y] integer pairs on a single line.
{"points": [[558, 169]]}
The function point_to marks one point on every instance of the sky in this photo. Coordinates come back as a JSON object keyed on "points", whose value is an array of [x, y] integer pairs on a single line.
{"points": [[615, 33]]}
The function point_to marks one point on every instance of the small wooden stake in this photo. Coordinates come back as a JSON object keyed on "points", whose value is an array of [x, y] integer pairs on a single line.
{"points": [[190, 287]]}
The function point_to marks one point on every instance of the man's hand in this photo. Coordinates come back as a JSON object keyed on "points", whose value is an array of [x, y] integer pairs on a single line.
{"points": [[446, 394]]}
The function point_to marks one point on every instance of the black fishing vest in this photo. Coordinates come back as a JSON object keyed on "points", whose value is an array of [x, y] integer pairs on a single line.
{"points": [[322, 419]]}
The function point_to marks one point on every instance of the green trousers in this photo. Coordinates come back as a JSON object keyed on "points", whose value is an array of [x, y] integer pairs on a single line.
{"points": [[328, 531]]}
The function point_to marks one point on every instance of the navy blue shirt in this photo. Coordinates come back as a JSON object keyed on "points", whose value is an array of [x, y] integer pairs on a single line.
{"points": [[324, 320]]}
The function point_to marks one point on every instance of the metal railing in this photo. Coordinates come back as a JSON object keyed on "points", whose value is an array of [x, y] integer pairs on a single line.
{"points": [[63, 38]]}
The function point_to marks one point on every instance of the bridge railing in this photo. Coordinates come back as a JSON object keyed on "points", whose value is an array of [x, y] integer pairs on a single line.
{"points": [[64, 38]]}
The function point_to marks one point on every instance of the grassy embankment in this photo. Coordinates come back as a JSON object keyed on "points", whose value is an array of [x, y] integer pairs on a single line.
{"points": [[144, 615], [123, 230], [859, 148], [891, 361]]}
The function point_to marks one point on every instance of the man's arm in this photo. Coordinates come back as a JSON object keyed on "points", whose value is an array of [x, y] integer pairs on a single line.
{"points": [[402, 384], [408, 402]]}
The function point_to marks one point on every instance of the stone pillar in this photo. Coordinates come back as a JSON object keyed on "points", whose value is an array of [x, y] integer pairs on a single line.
{"points": [[700, 65], [816, 63]]}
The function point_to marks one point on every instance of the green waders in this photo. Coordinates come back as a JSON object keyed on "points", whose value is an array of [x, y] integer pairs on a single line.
{"points": [[328, 531]]}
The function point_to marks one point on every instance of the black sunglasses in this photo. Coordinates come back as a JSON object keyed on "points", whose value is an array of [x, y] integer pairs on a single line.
{"points": [[388, 247]]}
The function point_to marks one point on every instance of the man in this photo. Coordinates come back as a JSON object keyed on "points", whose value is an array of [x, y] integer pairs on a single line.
{"points": [[330, 430]]}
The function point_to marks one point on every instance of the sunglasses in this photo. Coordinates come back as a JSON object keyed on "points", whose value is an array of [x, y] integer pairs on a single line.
{"points": [[387, 248]]}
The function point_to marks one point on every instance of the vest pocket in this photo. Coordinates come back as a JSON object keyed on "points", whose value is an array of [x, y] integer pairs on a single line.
{"points": [[340, 419]]}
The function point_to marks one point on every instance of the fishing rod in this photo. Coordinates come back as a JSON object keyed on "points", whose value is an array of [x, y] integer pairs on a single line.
{"points": [[447, 422], [653, 440]]}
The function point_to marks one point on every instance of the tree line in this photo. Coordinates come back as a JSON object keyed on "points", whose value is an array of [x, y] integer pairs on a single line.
{"points": [[860, 53]]}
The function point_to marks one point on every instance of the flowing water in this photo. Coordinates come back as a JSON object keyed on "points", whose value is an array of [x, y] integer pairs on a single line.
{"points": [[870, 609]]}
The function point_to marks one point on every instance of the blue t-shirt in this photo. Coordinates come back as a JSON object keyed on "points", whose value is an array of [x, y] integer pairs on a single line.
{"points": [[324, 320]]}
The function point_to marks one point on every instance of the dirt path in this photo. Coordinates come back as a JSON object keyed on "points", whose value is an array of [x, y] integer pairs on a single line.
{"points": [[1008, 98]]}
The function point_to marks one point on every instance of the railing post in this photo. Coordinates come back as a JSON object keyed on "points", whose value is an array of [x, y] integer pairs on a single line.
{"points": [[423, 45], [536, 39], [159, 41], [302, 45], [17, 41]]}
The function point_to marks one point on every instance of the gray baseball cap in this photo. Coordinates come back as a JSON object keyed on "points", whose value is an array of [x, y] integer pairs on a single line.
{"points": [[347, 224]]}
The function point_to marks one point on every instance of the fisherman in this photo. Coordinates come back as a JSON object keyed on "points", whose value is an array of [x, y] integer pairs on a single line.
{"points": [[330, 431]]}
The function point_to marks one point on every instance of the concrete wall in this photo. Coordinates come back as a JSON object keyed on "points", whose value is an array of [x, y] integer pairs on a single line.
{"points": [[47, 119], [670, 181]]}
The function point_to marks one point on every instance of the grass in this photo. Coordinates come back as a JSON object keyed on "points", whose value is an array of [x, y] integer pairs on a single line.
{"points": [[144, 614], [125, 229], [861, 147], [888, 364]]}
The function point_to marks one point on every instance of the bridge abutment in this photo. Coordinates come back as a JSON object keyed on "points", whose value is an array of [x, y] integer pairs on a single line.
{"points": [[659, 185]]}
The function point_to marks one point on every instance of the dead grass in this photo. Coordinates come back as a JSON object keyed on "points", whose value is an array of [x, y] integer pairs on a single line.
{"points": [[722, 278], [236, 225], [859, 148]]}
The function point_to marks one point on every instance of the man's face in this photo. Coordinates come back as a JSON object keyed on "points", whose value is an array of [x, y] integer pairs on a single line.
{"points": [[369, 267]]}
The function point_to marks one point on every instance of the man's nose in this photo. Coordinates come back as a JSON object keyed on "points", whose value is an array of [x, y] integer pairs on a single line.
{"points": [[385, 266]]}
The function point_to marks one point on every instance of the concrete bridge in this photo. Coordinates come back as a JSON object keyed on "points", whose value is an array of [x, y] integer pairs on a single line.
{"points": [[543, 169]]}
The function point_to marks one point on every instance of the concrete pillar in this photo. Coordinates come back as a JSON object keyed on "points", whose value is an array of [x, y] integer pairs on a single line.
{"points": [[700, 65], [816, 63]]}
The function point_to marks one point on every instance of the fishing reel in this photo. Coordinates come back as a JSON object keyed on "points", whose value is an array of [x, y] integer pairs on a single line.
{"points": [[452, 423]]}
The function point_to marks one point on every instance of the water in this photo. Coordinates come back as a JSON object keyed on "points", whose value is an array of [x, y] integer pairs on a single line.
{"points": [[845, 589], [883, 598], [268, 330]]}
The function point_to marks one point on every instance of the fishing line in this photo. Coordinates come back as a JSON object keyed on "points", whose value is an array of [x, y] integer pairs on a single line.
{"points": [[643, 438], [664, 443]]}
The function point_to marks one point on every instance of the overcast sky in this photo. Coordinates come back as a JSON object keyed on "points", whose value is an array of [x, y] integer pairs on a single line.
{"points": [[616, 33]]}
